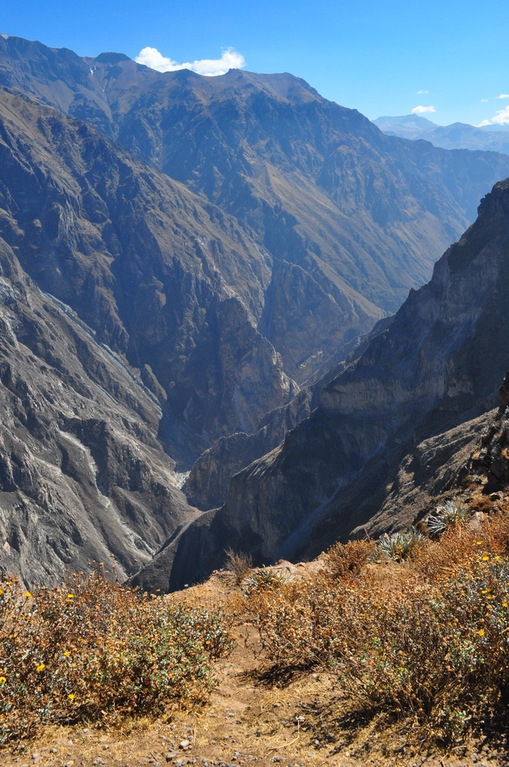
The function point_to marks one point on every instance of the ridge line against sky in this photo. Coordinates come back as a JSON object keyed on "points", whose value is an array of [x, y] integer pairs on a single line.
{"points": [[393, 58]]}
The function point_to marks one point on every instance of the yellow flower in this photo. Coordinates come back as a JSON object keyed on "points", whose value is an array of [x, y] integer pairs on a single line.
{"points": [[71, 696], [1, 592], [478, 543], [40, 667], [481, 632], [28, 594], [497, 558], [505, 604], [3, 680], [484, 591], [67, 654], [485, 559], [70, 596]]}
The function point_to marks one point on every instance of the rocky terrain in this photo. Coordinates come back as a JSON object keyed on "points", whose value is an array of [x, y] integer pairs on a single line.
{"points": [[82, 472], [195, 257], [352, 219], [339, 472], [125, 274], [158, 276]]}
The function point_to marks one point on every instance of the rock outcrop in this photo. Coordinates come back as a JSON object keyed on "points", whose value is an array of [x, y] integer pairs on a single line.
{"points": [[209, 479]]}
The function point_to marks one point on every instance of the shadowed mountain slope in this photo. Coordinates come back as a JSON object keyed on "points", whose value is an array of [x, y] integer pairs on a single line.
{"points": [[439, 364], [82, 473], [167, 281]]}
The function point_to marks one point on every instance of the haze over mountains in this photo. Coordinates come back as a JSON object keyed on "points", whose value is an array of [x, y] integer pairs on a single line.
{"points": [[489, 138], [182, 254]]}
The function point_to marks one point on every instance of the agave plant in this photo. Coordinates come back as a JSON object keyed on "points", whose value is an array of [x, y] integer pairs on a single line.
{"points": [[447, 515], [399, 545], [262, 578]]}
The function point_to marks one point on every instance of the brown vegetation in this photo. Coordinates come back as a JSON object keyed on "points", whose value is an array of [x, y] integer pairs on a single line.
{"points": [[372, 658], [425, 638], [89, 650]]}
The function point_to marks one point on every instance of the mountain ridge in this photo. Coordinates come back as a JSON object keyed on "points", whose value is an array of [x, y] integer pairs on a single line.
{"points": [[455, 136], [359, 217]]}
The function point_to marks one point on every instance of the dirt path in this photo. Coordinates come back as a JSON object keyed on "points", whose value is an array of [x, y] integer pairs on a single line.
{"points": [[246, 722]]}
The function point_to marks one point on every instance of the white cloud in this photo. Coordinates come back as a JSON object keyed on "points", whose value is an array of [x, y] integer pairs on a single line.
{"points": [[230, 59], [503, 96], [421, 93], [420, 110], [501, 118], [484, 101]]}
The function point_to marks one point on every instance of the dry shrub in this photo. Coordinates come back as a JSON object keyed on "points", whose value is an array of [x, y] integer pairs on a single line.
{"points": [[428, 637], [483, 504], [92, 650], [239, 564], [436, 561], [344, 559], [282, 615]]}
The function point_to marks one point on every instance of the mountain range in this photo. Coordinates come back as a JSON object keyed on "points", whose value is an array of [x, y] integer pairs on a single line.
{"points": [[489, 138], [189, 259]]}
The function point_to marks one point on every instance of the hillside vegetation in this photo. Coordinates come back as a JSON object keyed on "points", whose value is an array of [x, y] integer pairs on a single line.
{"points": [[405, 641]]}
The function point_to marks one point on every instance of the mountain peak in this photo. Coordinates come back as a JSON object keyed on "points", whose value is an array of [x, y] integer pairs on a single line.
{"points": [[399, 125], [111, 58]]}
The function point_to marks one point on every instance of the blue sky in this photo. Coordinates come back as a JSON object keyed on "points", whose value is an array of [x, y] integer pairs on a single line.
{"points": [[382, 58]]}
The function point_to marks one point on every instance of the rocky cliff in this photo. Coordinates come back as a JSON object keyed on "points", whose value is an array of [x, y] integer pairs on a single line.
{"points": [[208, 481], [129, 311], [167, 281], [178, 251], [426, 374], [82, 473]]}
